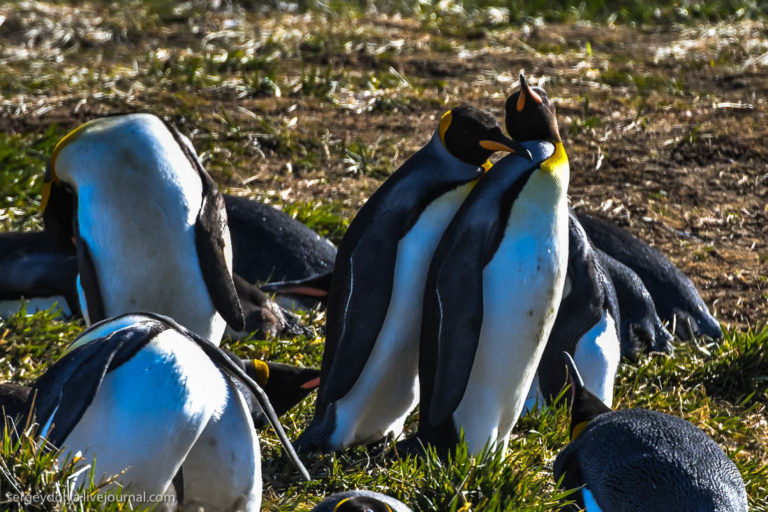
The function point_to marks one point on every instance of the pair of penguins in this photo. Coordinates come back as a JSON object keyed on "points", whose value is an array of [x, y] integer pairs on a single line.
{"points": [[150, 396], [447, 284], [471, 271]]}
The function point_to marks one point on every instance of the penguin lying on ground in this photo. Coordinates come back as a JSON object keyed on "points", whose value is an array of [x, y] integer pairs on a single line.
{"points": [[39, 268], [674, 295], [494, 287], [268, 245], [285, 386], [361, 501], [637, 460], [148, 221], [145, 397], [641, 328], [43, 272], [586, 326], [368, 376]]}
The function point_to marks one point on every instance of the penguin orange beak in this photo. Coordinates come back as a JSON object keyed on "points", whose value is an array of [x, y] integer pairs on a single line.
{"points": [[525, 91], [501, 143]]}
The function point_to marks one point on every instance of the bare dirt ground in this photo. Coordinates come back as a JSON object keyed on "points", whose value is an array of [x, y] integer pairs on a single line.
{"points": [[665, 129]]}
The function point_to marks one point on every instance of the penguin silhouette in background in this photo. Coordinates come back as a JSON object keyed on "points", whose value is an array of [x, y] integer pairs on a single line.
{"points": [[635, 460], [674, 295], [368, 379]]}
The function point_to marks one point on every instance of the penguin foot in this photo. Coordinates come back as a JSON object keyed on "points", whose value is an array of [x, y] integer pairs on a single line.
{"points": [[315, 439]]}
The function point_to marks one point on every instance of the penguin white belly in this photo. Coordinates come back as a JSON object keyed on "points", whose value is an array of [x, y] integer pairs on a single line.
{"points": [[597, 356], [148, 413], [145, 257], [387, 389], [8, 308], [223, 469], [522, 286]]}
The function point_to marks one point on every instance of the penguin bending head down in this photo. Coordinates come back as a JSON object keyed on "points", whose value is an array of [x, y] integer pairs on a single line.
{"points": [[146, 397], [676, 298], [636, 460], [149, 224], [494, 287], [368, 379]]}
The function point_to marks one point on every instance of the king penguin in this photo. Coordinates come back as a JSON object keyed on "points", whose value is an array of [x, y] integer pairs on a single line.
{"points": [[674, 295], [148, 222], [636, 460], [145, 397], [586, 326], [361, 501], [494, 287], [368, 381]]}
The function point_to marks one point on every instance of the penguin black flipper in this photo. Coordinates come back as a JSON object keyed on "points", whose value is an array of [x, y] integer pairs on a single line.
{"points": [[63, 393], [210, 241], [89, 282], [356, 339], [468, 244]]}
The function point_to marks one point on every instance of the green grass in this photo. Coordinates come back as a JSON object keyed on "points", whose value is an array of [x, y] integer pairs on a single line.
{"points": [[257, 97]]}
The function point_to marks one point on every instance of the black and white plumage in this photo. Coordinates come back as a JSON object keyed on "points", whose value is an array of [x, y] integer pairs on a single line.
{"points": [[674, 295], [637, 460], [149, 224], [369, 370], [144, 396], [586, 326]]}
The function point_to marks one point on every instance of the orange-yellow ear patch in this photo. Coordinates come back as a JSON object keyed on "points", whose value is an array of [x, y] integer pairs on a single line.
{"points": [[262, 372], [445, 122]]}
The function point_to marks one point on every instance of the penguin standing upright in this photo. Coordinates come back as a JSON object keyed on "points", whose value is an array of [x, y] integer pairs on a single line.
{"points": [[144, 396], [586, 326], [368, 376], [148, 221], [494, 287], [636, 460], [674, 295]]}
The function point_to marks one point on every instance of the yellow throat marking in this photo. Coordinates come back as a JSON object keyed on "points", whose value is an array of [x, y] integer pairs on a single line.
{"points": [[558, 162], [262, 372], [71, 136], [578, 429], [445, 122]]}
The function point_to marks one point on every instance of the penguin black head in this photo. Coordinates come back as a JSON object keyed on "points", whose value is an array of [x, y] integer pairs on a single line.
{"points": [[361, 504], [530, 114], [285, 385], [473, 135], [58, 206], [585, 406]]}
